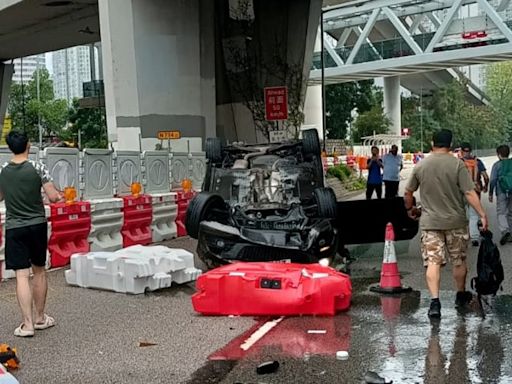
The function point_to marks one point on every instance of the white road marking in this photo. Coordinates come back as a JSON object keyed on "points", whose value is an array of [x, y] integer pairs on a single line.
{"points": [[258, 334]]}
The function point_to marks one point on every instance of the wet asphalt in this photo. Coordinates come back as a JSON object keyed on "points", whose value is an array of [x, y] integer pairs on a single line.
{"points": [[98, 334]]}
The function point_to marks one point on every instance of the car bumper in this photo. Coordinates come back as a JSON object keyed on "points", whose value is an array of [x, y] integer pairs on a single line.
{"points": [[229, 244]]}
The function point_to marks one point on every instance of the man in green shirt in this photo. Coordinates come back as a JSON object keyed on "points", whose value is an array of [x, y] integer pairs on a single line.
{"points": [[445, 186], [26, 231]]}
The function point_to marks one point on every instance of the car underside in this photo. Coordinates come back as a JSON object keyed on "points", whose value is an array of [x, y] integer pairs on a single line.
{"points": [[264, 203]]}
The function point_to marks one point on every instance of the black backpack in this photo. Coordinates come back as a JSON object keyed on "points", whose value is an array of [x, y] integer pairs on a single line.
{"points": [[489, 268]]}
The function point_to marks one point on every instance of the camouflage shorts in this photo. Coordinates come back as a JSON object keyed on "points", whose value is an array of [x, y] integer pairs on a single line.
{"points": [[437, 245]]}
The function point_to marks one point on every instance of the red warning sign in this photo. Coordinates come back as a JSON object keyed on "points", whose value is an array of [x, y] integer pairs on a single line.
{"points": [[276, 103]]}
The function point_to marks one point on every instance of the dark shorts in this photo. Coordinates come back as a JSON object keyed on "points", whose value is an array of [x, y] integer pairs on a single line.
{"points": [[26, 246]]}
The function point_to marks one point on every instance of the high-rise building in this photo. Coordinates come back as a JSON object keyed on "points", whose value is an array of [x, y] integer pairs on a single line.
{"points": [[71, 68], [25, 68]]}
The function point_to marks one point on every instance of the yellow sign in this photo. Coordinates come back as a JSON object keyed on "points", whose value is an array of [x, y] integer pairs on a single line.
{"points": [[6, 129], [169, 135]]}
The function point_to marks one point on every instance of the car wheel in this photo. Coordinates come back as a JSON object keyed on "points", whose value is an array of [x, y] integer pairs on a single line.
{"points": [[213, 149], [325, 200], [202, 207], [311, 143]]}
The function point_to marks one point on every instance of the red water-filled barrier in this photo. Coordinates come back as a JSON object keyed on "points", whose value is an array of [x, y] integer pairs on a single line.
{"points": [[272, 289], [182, 200], [71, 224], [138, 215]]}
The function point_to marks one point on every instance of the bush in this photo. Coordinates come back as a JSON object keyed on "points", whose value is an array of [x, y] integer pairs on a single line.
{"points": [[336, 172], [347, 176], [357, 185], [341, 171]]}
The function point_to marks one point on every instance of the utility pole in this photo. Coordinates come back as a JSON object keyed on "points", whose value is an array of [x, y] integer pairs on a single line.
{"points": [[421, 118], [66, 62], [23, 98], [38, 90]]}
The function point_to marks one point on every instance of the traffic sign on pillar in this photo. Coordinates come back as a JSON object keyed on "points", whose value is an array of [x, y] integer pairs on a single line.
{"points": [[276, 103]]}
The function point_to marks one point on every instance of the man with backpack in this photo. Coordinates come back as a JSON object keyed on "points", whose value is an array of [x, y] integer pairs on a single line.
{"points": [[501, 184], [478, 172], [445, 187]]}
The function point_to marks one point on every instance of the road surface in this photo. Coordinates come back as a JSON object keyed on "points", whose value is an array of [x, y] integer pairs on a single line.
{"points": [[98, 334]]}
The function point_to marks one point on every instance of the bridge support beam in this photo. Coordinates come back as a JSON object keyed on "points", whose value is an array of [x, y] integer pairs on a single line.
{"points": [[261, 43], [392, 105], [159, 70]]}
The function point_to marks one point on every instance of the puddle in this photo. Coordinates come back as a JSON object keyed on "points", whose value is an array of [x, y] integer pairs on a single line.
{"points": [[391, 335]]}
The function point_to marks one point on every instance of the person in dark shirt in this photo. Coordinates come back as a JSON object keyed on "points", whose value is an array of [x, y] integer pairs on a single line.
{"points": [[26, 231], [374, 182]]}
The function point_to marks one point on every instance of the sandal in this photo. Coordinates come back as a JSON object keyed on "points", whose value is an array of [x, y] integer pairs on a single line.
{"points": [[47, 323], [20, 332]]}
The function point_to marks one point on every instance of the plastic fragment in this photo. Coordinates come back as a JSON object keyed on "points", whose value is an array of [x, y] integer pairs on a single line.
{"points": [[267, 367]]}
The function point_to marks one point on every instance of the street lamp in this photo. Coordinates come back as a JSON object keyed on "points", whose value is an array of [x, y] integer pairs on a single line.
{"points": [[421, 119], [322, 65]]}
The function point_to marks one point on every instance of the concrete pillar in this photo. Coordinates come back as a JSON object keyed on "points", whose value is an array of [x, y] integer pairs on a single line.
{"points": [[158, 69], [285, 29], [392, 105], [313, 108], [6, 71]]}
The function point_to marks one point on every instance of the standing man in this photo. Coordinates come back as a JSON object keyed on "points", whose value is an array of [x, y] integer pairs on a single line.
{"points": [[477, 171], [445, 186], [393, 164], [374, 182], [26, 231], [503, 199]]}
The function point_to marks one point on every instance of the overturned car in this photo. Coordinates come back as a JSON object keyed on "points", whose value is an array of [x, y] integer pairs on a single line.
{"points": [[264, 202]]}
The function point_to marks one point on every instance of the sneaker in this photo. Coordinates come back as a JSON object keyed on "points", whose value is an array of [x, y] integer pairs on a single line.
{"points": [[435, 309], [475, 243], [463, 298], [506, 237]]}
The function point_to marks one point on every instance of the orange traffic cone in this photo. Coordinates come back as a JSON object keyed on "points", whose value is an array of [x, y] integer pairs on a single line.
{"points": [[389, 276]]}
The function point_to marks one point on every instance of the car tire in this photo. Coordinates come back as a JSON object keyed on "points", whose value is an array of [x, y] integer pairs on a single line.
{"points": [[326, 204], [201, 208], [311, 143], [213, 149]]}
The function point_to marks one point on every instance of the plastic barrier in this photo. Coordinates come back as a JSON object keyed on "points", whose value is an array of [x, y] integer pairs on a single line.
{"points": [[351, 161], [106, 225], [362, 163], [3, 272], [132, 270], [165, 211], [272, 289], [183, 200], [71, 225], [325, 164], [138, 216]]}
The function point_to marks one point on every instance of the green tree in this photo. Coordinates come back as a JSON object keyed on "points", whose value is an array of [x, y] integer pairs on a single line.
{"points": [[499, 89], [90, 123], [26, 109], [370, 122], [420, 121], [341, 100], [480, 125]]}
